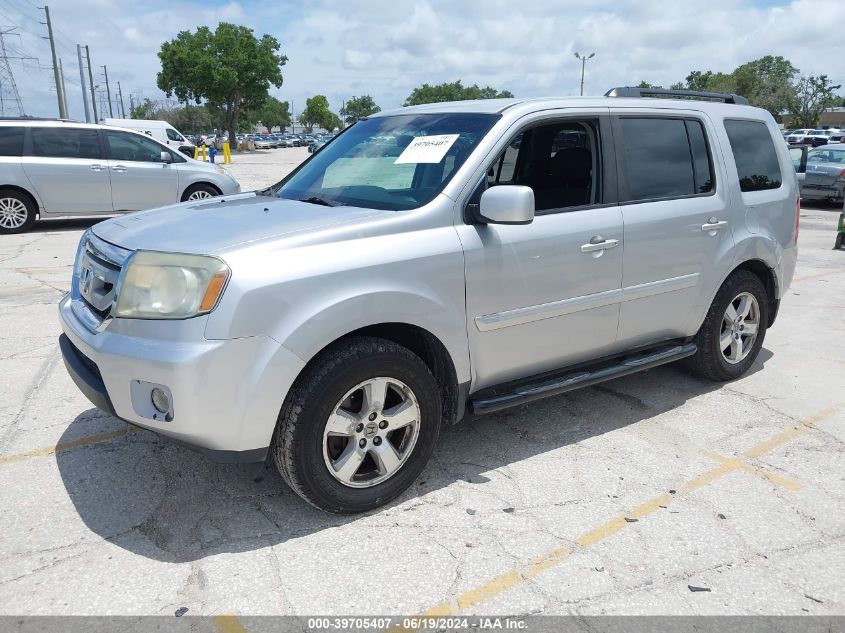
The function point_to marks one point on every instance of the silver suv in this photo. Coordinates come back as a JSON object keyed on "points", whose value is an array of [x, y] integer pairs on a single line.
{"points": [[431, 262], [60, 168]]}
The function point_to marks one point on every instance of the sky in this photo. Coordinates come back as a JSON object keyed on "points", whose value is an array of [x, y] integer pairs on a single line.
{"points": [[385, 48]]}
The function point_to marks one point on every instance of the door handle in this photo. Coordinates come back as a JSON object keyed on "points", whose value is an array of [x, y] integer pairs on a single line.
{"points": [[712, 225], [118, 168], [96, 167], [598, 243]]}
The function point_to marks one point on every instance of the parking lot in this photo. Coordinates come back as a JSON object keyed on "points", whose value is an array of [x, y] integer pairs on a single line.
{"points": [[657, 493]]}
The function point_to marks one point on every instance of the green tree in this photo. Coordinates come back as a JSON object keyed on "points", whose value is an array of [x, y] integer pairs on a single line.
{"points": [[273, 113], [357, 108], [144, 110], [317, 113], [812, 95], [229, 68], [454, 91]]}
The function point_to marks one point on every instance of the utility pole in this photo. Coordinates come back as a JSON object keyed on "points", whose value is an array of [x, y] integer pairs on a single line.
{"points": [[7, 79], [131, 104], [120, 101], [82, 83], [59, 92], [108, 92], [583, 59], [91, 83], [64, 88]]}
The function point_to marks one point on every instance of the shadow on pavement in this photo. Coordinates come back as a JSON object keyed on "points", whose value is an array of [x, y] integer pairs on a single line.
{"points": [[65, 224], [167, 503]]}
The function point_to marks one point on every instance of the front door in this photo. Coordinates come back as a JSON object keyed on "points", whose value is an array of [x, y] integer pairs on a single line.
{"points": [[545, 295], [67, 170], [139, 178]]}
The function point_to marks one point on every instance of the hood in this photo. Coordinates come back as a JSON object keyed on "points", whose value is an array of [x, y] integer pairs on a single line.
{"points": [[215, 224]]}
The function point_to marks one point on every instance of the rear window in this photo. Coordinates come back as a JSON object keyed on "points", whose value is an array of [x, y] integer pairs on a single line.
{"points": [[665, 158], [64, 142], [11, 141], [755, 155]]}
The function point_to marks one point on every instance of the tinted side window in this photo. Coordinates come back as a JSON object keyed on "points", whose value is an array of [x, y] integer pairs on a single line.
{"points": [[11, 141], [65, 142], [657, 158], [123, 146], [173, 135], [503, 171], [755, 156], [700, 157]]}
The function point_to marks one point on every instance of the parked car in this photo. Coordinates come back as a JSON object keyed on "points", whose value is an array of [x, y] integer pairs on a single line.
{"points": [[55, 168], [824, 177], [808, 137], [339, 318], [261, 142], [316, 145]]}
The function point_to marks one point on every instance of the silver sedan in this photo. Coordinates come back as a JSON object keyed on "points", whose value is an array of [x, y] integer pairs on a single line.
{"points": [[825, 174]]}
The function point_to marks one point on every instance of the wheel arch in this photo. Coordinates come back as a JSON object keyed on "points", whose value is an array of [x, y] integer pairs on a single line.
{"points": [[431, 350], [768, 277], [186, 191]]}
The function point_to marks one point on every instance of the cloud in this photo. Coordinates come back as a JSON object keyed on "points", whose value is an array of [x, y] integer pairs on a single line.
{"points": [[386, 48]]}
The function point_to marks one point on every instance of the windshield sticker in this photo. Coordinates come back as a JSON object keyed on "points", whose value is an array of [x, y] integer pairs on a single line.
{"points": [[427, 149]]}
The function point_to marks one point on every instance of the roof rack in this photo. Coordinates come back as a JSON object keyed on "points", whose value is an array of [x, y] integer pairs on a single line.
{"points": [[638, 93]]}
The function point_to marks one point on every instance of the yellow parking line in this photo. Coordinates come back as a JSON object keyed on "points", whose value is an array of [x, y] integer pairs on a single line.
{"points": [[82, 441], [739, 464], [227, 623], [514, 577]]}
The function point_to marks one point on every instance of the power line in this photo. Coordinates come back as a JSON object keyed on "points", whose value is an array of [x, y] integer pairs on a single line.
{"points": [[7, 79]]}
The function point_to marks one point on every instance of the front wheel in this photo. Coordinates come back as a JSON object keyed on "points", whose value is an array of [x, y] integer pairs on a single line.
{"points": [[733, 331], [17, 211], [199, 192], [358, 426]]}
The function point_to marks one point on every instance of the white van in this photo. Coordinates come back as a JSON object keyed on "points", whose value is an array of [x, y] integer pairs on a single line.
{"points": [[161, 131]]}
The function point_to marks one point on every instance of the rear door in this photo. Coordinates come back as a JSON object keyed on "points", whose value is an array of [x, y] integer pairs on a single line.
{"points": [[67, 169], [139, 178], [675, 209]]}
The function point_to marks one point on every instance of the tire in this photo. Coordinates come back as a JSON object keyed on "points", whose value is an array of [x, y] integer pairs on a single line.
{"points": [[199, 191], [709, 361], [309, 458], [838, 243], [17, 212]]}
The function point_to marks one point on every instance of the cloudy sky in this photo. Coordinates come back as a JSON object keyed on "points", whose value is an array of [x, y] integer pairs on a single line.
{"points": [[385, 48]]}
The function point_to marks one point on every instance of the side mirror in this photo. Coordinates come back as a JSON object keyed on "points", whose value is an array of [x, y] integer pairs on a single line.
{"points": [[166, 157], [507, 204]]}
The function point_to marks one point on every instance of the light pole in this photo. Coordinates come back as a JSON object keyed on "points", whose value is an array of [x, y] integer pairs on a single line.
{"points": [[583, 59]]}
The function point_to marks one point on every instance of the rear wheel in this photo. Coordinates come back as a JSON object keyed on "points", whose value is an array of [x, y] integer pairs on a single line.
{"points": [[358, 426], [199, 192], [733, 331], [17, 211]]}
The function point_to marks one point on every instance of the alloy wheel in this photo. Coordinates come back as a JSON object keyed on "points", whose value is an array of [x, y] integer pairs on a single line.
{"points": [[13, 213], [371, 432], [740, 325]]}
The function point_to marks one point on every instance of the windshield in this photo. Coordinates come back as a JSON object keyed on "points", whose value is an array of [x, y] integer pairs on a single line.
{"points": [[396, 163], [827, 156]]}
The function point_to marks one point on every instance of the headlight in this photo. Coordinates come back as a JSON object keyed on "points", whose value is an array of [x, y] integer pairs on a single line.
{"points": [[169, 285], [80, 249]]}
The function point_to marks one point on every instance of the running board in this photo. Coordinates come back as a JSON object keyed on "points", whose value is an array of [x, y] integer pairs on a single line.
{"points": [[551, 386]]}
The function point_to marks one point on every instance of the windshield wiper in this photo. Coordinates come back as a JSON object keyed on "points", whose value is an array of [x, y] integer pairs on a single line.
{"points": [[322, 201]]}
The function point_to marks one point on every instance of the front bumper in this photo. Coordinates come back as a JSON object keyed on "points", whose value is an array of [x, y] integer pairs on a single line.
{"points": [[226, 394]]}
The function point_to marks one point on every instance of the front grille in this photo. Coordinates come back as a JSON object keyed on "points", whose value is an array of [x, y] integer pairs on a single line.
{"points": [[95, 280]]}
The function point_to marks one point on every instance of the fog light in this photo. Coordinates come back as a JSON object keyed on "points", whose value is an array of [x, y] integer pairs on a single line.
{"points": [[160, 401]]}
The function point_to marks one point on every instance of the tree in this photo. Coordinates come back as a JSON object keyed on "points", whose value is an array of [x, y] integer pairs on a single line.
{"points": [[273, 113], [357, 108], [812, 95], [144, 110], [317, 113], [452, 92], [229, 68]]}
